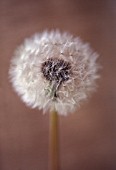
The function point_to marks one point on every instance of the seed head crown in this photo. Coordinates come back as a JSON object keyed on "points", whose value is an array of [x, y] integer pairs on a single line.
{"points": [[53, 69]]}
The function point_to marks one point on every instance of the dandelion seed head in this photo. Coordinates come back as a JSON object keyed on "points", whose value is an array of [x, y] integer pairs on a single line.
{"points": [[53, 69]]}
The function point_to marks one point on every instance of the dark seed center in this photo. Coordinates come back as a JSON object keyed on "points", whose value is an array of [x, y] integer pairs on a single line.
{"points": [[56, 70]]}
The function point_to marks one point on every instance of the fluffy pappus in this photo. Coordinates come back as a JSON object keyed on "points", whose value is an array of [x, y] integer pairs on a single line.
{"points": [[54, 70]]}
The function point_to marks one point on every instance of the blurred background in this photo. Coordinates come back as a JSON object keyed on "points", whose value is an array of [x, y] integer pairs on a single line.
{"points": [[88, 137]]}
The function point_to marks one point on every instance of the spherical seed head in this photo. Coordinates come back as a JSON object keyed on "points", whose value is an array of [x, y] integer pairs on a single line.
{"points": [[53, 69]]}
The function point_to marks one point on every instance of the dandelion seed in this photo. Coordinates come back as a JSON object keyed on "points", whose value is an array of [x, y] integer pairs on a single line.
{"points": [[53, 69]]}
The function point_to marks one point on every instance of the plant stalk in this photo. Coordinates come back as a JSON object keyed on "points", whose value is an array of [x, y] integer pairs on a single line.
{"points": [[54, 141]]}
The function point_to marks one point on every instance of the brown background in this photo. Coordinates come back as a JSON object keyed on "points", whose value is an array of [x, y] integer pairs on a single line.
{"points": [[88, 137]]}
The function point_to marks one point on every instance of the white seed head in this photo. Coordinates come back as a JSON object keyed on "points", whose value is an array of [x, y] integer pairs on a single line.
{"points": [[54, 70]]}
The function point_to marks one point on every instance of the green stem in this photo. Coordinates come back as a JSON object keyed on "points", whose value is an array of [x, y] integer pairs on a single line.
{"points": [[54, 142]]}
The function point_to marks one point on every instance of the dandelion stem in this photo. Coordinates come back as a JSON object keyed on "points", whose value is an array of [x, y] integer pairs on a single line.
{"points": [[54, 142]]}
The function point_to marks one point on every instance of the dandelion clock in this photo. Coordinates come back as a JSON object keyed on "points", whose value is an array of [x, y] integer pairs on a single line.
{"points": [[54, 72]]}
